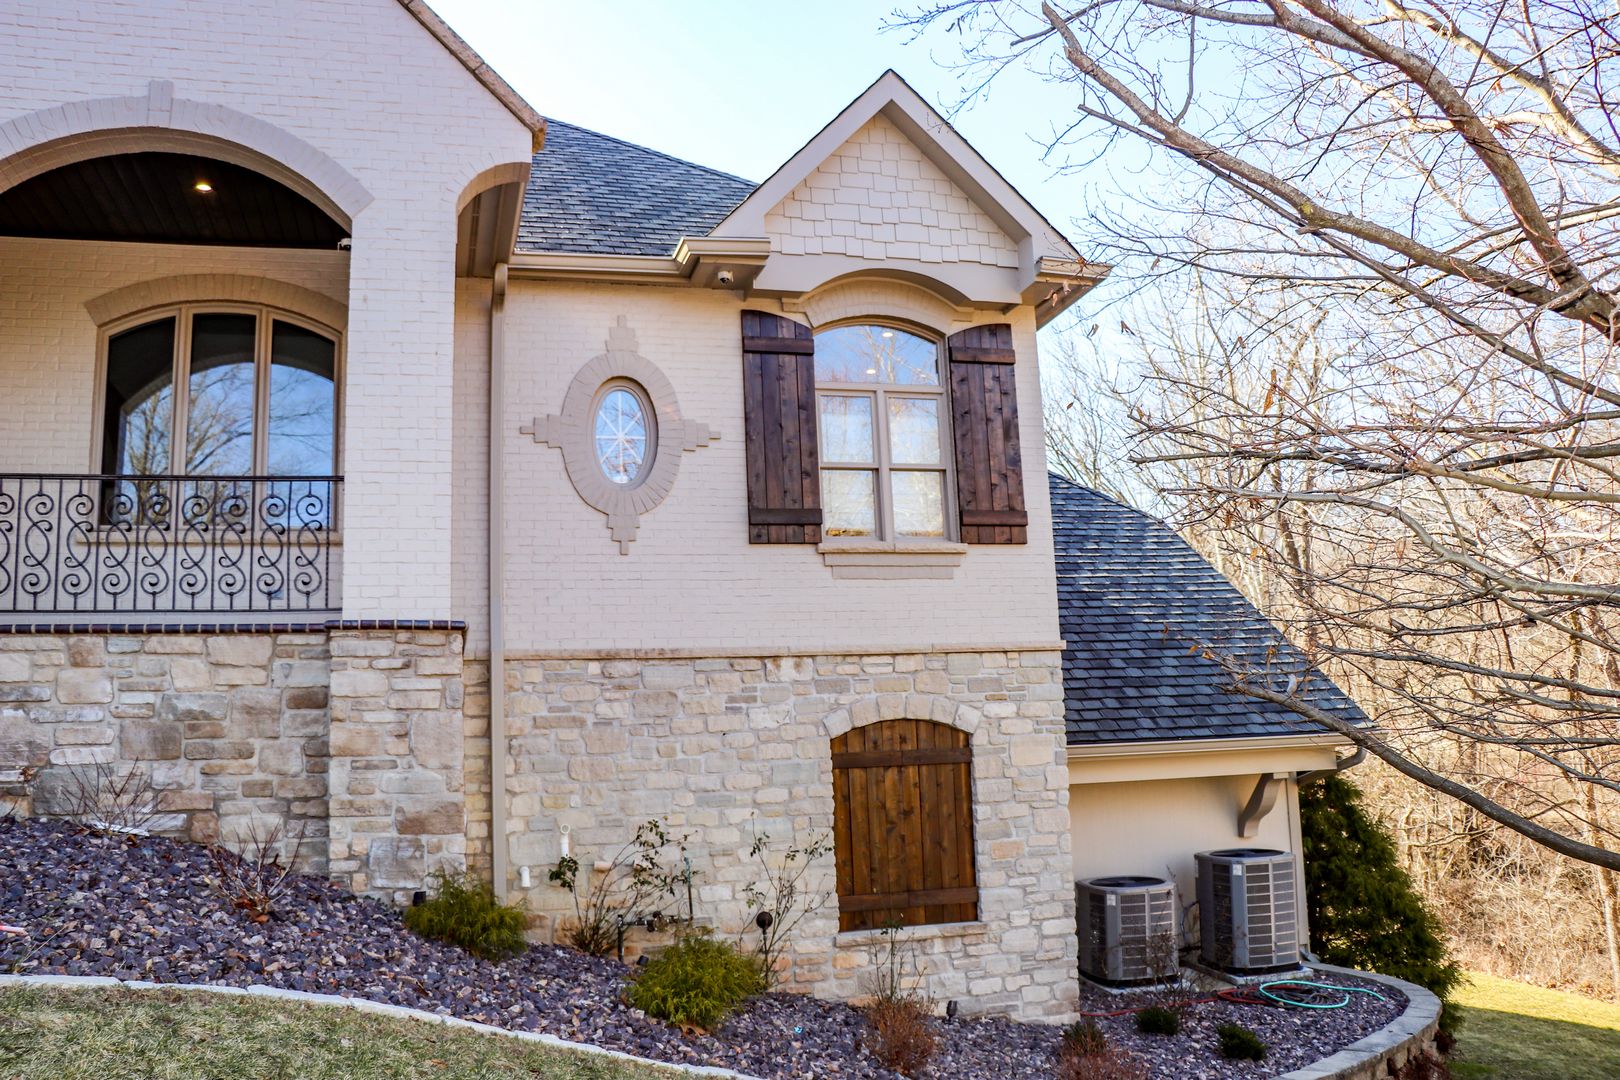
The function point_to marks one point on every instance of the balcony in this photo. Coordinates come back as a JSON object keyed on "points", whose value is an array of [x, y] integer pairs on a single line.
{"points": [[168, 545]]}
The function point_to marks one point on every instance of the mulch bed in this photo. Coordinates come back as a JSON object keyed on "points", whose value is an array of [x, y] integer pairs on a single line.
{"points": [[100, 905]]}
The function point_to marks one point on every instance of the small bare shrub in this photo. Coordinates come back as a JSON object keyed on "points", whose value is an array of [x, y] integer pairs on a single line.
{"points": [[1084, 1037], [1424, 1066], [108, 800], [1110, 1064], [1084, 1054], [783, 899], [903, 1035], [647, 873], [254, 879]]}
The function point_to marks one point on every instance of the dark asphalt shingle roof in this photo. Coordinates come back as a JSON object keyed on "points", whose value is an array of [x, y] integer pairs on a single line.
{"points": [[593, 194], [1133, 598]]}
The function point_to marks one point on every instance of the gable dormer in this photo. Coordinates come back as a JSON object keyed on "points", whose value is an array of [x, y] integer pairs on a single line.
{"points": [[890, 184]]}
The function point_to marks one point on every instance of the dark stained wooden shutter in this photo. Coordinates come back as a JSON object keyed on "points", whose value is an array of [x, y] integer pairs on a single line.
{"points": [[903, 825], [984, 416], [779, 414]]}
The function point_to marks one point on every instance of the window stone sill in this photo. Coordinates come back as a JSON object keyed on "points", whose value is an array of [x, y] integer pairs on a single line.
{"points": [[888, 559], [865, 939]]}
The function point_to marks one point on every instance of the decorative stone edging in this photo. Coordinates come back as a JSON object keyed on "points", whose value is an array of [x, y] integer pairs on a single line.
{"points": [[95, 982], [1395, 1043]]}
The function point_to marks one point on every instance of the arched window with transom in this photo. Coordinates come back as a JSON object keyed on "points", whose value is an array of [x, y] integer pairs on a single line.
{"points": [[883, 417]]}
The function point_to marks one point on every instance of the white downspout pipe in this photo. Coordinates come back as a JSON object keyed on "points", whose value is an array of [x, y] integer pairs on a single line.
{"points": [[500, 856]]}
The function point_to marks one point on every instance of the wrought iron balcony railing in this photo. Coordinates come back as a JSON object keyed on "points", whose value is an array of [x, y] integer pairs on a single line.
{"points": [[168, 544]]}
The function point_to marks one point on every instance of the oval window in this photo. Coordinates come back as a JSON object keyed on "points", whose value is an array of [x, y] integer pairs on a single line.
{"points": [[622, 425]]}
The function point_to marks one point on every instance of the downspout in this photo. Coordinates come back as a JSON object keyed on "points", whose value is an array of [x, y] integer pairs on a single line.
{"points": [[499, 855]]}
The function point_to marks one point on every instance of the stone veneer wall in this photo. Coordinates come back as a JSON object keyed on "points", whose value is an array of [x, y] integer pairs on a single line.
{"points": [[721, 747], [231, 728], [397, 810], [348, 735]]}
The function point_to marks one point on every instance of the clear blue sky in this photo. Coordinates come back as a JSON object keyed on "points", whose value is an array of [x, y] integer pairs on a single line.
{"points": [[740, 86]]}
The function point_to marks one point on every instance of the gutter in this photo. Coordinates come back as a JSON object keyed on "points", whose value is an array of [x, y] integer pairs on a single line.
{"points": [[696, 261], [1155, 747], [499, 855], [1339, 766]]}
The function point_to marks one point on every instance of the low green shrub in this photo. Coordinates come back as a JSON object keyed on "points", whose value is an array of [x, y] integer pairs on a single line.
{"points": [[1157, 1020], [1239, 1043], [696, 981], [464, 912], [1084, 1037]]}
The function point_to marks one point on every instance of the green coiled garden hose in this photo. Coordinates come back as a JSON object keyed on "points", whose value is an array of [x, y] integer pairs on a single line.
{"points": [[1317, 988]]}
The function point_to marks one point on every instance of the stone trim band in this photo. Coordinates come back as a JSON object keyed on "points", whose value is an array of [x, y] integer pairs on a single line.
{"points": [[314, 627]]}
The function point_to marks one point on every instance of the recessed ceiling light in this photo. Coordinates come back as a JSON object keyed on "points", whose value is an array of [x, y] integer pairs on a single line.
{"points": [[203, 186], [888, 333], [871, 371]]}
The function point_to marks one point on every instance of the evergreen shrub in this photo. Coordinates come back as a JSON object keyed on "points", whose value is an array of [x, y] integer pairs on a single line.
{"points": [[697, 981], [1239, 1043], [1364, 910], [1157, 1020], [464, 912]]}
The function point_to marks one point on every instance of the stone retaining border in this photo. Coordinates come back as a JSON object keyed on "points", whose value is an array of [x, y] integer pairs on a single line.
{"points": [[1366, 1059], [1384, 1050], [94, 982]]}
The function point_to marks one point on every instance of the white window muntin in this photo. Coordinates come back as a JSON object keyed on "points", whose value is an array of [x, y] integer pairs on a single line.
{"points": [[881, 465]]}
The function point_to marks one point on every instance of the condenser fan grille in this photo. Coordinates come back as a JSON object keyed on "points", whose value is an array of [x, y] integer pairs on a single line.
{"points": [[1248, 909], [1127, 929]]}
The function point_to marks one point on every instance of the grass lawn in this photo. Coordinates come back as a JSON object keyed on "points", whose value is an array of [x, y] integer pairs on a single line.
{"points": [[151, 1035], [1516, 1032]]}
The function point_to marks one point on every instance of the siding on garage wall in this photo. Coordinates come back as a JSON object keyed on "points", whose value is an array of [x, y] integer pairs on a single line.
{"points": [[691, 580], [1155, 827], [48, 342]]}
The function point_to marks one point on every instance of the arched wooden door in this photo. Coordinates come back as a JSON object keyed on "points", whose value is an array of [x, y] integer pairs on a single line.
{"points": [[903, 825]]}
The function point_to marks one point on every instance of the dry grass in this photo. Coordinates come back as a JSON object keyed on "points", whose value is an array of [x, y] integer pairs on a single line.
{"points": [[127, 1035], [1516, 1032]]}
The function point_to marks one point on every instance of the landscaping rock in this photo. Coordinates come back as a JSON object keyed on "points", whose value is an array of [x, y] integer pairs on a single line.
{"points": [[142, 909]]}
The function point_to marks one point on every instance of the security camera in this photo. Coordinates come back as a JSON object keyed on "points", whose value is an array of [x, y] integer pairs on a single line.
{"points": [[725, 277], [345, 244]]}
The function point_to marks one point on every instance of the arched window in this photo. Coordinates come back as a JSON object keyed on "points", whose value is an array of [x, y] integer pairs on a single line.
{"points": [[882, 421], [903, 825], [229, 390]]}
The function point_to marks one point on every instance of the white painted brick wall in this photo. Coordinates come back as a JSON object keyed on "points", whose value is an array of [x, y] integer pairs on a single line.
{"points": [[691, 579], [48, 341], [877, 197], [365, 84]]}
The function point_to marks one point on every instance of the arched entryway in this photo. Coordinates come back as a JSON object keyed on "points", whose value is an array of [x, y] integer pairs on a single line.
{"points": [[176, 449]]}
